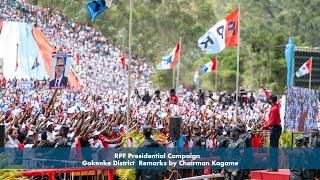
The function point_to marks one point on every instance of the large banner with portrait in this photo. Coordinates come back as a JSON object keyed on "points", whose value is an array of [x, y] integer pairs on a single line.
{"points": [[60, 66], [301, 109]]}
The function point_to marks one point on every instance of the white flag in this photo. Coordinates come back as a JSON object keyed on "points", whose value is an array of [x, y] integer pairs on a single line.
{"points": [[304, 69]]}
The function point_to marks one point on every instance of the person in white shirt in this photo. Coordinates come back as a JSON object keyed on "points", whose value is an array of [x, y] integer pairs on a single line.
{"points": [[11, 144], [12, 139], [50, 134], [96, 145]]}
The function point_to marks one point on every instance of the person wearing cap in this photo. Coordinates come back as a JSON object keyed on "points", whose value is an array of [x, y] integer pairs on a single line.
{"points": [[219, 136], [63, 142], [306, 140], [220, 141], [298, 174], [236, 142], [50, 134], [198, 140], [147, 174], [226, 139], [274, 124]]}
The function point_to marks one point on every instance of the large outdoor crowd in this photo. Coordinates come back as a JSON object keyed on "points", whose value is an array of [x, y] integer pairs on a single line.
{"points": [[100, 67], [96, 117]]}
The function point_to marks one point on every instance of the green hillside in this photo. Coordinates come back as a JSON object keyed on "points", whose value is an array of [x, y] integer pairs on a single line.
{"points": [[158, 24]]}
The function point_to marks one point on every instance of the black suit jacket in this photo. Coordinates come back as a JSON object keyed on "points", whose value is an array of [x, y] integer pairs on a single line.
{"points": [[64, 82]]}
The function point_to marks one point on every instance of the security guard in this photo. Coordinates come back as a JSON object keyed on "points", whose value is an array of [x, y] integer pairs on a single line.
{"points": [[198, 140], [315, 143], [147, 174], [306, 139], [246, 136], [219, 135], [226, 140], [299, 174], [315, 140], [236, 142]]}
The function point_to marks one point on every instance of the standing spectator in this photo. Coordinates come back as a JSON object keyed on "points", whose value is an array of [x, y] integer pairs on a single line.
{"points": [[146, 98], [274, 124], [173, 99]]}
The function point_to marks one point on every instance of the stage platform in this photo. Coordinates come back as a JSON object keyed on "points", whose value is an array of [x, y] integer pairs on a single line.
{"points": [[282, 174]]}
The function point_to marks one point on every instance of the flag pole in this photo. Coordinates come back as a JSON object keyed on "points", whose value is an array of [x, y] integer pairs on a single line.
{"points": [[310, 75], [198, 84], [17, 57], [179, 63], [238, 57], [129, 68], [216, 79], [173, 78]]}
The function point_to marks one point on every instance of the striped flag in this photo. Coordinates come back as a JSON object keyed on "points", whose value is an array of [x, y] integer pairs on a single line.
{"points": [[304, 69], [210, 66], [222, 34]]}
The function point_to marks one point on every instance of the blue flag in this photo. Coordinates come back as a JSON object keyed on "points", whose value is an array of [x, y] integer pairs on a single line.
{"points": [[289, 59], [97, 7]]}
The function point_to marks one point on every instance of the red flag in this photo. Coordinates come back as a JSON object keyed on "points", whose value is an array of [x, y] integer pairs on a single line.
{"points": [[123, 61], [231, 36], [177, 51], [214, 64]]}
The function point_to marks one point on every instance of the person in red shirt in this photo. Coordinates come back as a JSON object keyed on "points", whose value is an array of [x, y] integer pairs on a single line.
{"points": [[256, 140], [274, 125], [173, 99]]}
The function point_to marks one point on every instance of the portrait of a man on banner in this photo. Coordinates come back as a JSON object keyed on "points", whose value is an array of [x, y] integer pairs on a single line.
{"points": [[59, 71]]}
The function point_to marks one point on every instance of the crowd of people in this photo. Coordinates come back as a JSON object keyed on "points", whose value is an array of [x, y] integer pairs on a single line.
{"points": [[100, 68], [96, 117], [37, 117]]}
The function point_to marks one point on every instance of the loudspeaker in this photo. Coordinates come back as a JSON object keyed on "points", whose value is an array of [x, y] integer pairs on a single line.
{"points": [[175, 127], [2, 136]]}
